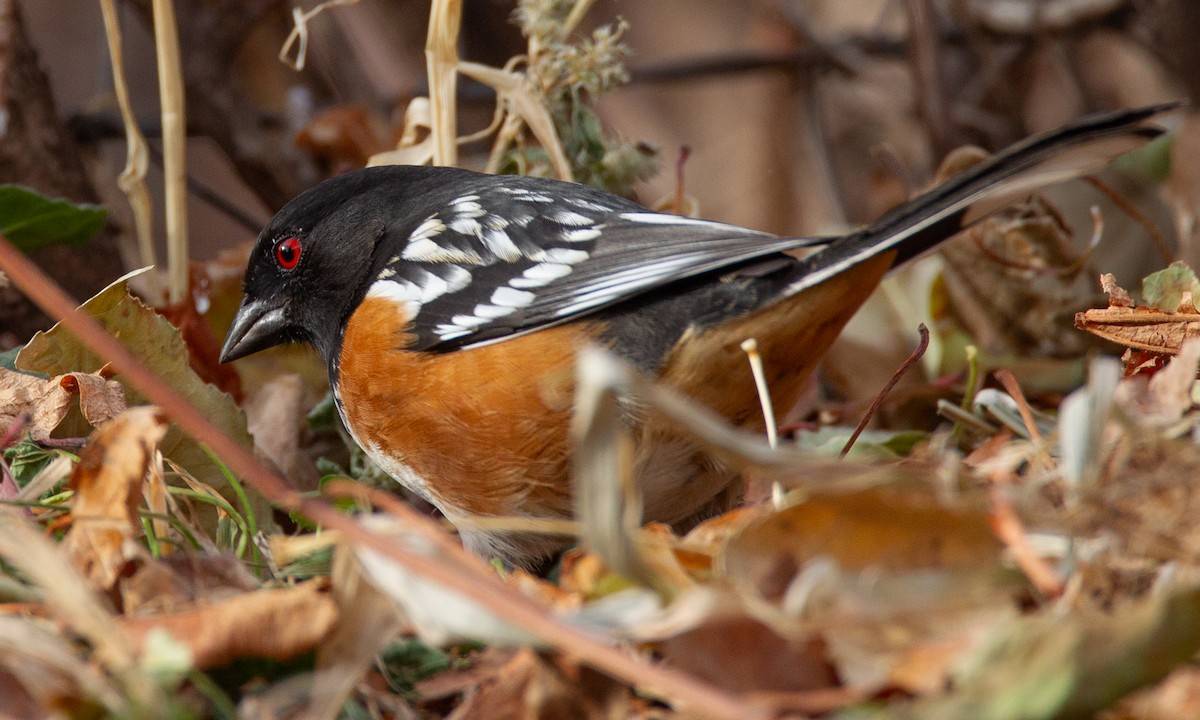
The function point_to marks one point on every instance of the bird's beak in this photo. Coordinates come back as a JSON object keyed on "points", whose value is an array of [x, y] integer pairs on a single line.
{"points": [[258, 325]]}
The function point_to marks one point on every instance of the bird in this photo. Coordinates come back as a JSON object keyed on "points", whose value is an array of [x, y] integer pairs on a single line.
{"points": [[450, 306]]}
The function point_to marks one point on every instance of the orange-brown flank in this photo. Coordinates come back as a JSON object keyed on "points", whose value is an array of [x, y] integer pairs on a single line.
{"points": [[486, 428]]}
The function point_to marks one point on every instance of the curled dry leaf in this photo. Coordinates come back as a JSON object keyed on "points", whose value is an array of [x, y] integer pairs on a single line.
{"points": [[1147, 329], [48, 401], [275, 623], [108, 487], [44, 401]]}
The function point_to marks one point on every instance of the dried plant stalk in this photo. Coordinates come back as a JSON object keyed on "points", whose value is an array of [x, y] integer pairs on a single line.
{"points": [[174, 129], [132, 180], [441, 58]]}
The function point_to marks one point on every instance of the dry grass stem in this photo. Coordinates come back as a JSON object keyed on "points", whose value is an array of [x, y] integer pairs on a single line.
{"points": [[174, 134], [132, 179], [298, 37], [442, 65]]}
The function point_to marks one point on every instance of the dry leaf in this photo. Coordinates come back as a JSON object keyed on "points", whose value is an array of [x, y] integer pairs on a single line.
{"points": [[44, 401], [1163, 398], [108, 488], [277, 624], [743, 655], [177, 581], [1141, 328], [530, 687], [275, 416], [48, 402]]}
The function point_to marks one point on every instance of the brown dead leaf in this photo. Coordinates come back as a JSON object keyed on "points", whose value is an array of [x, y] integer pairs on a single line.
{"points": [[275, 416], [44, 401], [177, 581], [1014, 279], [275, 623], [107, 484], [743, 655], [1163, 398], [1141, 328], [881, 528], [100, 399], [530, 687], [48, 401]]}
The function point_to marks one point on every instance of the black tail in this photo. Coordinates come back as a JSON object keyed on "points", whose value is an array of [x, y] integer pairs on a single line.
{"points": [[925, 221]]}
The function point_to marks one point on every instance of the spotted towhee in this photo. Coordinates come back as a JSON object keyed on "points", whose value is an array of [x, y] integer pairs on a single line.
{"points": [[449, 306]]}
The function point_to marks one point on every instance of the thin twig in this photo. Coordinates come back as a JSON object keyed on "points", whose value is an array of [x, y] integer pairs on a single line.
{"points": [[450, 571], [922, 346], [1009, 381], [1134, 212]]}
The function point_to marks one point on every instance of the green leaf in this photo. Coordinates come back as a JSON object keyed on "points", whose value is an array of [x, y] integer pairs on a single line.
{"points": [[26, 459], [8, 358], [1164, 289], [31, 220]]}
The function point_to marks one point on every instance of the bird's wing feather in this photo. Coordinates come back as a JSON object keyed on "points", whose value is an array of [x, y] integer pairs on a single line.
{"points": [[501, 260]]}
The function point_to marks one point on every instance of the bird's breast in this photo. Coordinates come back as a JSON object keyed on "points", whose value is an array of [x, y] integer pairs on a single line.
{"points": [[477, 432]]}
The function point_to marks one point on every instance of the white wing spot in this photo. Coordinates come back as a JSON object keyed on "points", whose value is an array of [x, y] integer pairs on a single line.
{"points": [[467, 209], [401, 291], [495, 222], [466, 226], [501, 245], [467, 321], [458, 278], [589, 205], [449, 332], [491, 312], [426, 250], [653, 218], [431, 227], [560, 255], [582, 234], [464, 199], [511, 297], [385, 273], [540, 274], [568, 217]]}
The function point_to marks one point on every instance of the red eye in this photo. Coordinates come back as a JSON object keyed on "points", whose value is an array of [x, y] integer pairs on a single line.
{"points": [[287, 253]]}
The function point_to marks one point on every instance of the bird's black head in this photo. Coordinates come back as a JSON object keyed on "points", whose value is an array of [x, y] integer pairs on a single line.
{"points": [[312, 262]]}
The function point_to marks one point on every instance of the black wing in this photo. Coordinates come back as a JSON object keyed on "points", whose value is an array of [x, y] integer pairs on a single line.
{"points": [[514, 255]]}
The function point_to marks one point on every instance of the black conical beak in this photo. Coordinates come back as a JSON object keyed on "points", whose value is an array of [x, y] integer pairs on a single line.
{"points": [[258, 325]]}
